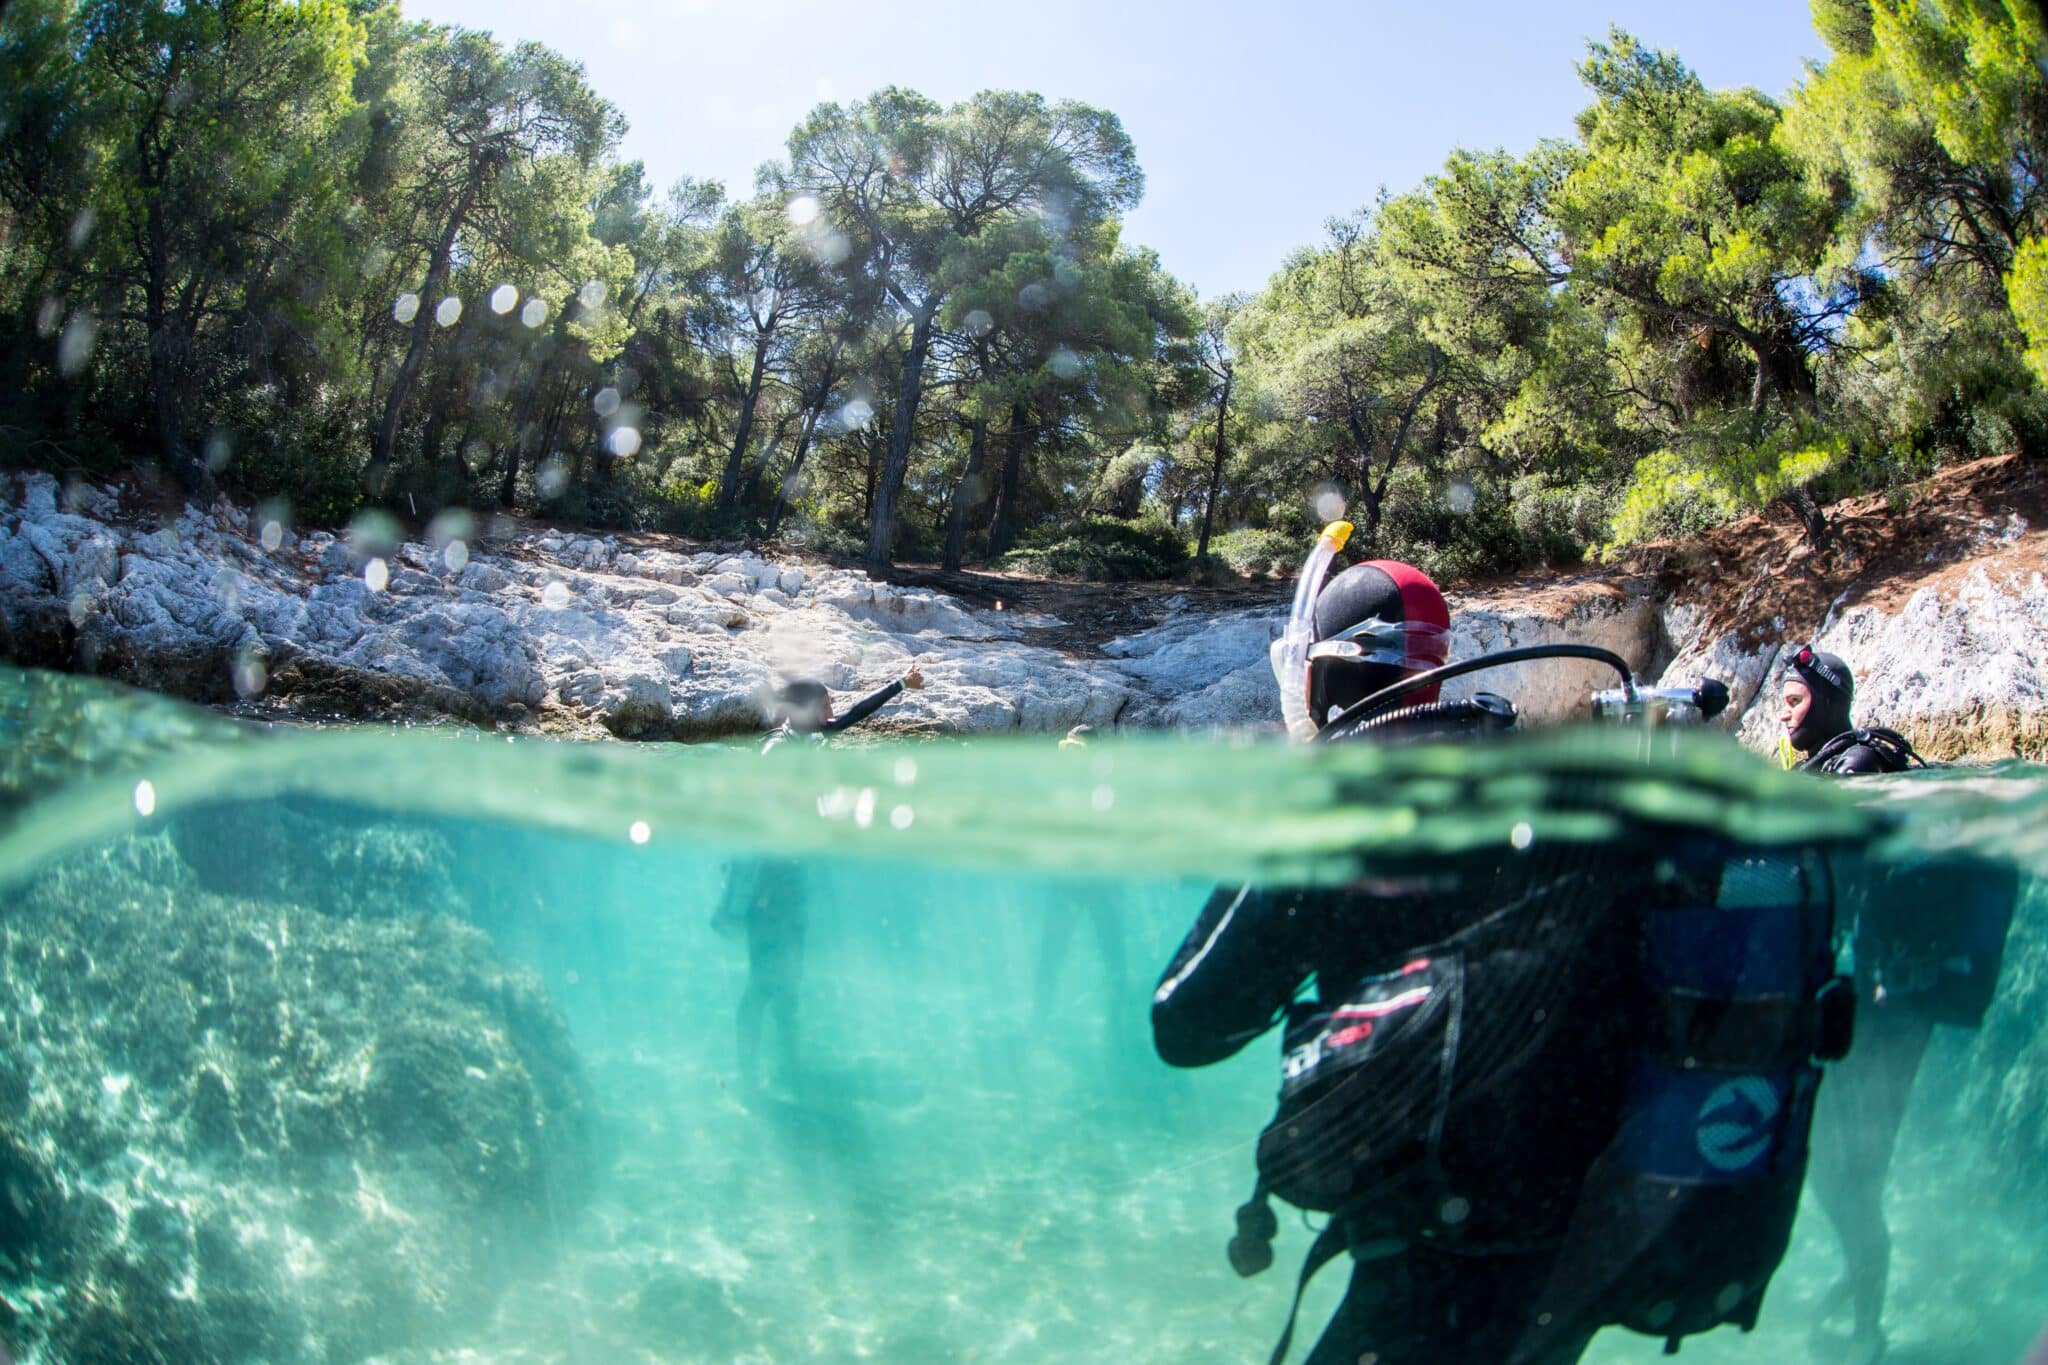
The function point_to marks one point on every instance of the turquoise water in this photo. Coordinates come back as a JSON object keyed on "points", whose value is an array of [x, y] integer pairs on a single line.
{"points": [[420, 1046]]}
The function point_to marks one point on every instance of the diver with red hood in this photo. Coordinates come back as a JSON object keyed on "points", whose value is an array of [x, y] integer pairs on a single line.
{"points": [[1506, 1074], [1451, 1247]]}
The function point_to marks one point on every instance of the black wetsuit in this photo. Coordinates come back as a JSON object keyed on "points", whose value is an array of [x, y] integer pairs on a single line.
{"points": [[862, 709], [1849, 760], [765, 899], [1546, 962]]}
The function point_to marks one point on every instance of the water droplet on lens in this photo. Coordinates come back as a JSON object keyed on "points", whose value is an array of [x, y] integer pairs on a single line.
{"points": [[978, 322], [1521, 836], [623, 441], [864, 807], [593, 294], [804, 210], [377, 575], [552, 477], [639, 833], [407, 308], [1103, 797], [449, 311], [555, 595], [455, 556], [1330, 503], [503, 298], [1460, 497], [906, 771], [272, 537], [251, 677], [534, 313], [1064, 363], [901, 817], [145, 798], [606, 402], [74, 346]]}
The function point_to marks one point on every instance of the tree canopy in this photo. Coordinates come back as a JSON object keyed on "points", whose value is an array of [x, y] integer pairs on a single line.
{"points": [[328, 258]]}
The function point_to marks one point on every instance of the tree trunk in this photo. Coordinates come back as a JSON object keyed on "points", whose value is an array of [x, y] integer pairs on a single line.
{"points": [[1216, 469], [736, 461], [164, 363], [882, 526], [796, 464], [1004, 525], [423, 323], [966, 493]]}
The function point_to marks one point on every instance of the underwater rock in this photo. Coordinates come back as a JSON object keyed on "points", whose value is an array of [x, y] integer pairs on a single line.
{"points": [[235, 1128], [314, 854]]}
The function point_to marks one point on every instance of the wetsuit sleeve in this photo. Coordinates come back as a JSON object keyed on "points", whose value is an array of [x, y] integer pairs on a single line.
{"points": [[1230, 981], [862, 709]]}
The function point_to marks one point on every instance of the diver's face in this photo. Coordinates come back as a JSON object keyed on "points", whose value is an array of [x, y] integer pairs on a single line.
{"points": [[1793, 706]]}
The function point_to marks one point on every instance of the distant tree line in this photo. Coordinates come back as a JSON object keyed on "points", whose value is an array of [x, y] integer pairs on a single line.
{"points": [[314, 252]]}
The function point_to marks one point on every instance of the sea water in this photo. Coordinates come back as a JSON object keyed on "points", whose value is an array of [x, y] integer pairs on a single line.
{"points": [[419, 1046]]}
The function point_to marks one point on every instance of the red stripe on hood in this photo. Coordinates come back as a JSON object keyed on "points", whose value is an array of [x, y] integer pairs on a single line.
{"points": [[1422, 603]]}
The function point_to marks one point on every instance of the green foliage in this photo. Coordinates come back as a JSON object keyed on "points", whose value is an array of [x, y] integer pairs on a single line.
{"points": [[1259, 554], [318, 252], [2027, 288], [1672, 495], [1104, 549]]}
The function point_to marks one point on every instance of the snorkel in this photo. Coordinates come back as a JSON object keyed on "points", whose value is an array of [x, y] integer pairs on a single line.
{"points": [[1290, 652]]}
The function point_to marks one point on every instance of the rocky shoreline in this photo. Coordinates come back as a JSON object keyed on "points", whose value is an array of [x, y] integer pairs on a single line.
{"points": [[533, 628]]}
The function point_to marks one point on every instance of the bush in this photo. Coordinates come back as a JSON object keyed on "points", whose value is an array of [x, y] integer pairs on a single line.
{"points": [[1671, 495], [1253, 553], [1103, 550]]}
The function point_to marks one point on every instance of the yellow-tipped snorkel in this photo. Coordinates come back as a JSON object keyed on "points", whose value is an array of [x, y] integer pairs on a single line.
{"points": [[1788, 757], [1290, 652]]}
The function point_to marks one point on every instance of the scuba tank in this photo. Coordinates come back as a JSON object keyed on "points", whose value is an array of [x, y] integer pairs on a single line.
{"points": [[1685, 1218]]}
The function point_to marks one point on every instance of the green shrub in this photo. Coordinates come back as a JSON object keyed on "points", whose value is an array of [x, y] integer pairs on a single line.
{"points": [[1675, 495], [1255, 553], [1103, 549]]}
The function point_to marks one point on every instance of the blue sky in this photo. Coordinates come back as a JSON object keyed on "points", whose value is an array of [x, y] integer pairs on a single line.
{"points": [[1254, 122]]}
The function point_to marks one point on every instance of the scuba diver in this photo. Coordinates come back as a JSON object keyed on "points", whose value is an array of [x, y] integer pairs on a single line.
{"points": [[1927, 938], [764, 899], [804, 707], [1814, 708], [1472, 1089]]}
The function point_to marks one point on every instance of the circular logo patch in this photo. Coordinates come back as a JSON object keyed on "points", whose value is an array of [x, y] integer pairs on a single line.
{"points": [[1737, 1123]]}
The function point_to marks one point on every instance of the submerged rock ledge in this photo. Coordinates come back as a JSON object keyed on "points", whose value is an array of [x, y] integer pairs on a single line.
{"points": [[544, 629]]}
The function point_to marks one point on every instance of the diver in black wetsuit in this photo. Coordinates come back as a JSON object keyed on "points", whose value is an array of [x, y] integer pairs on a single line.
{"points": [[1815, 706], [764, 899], [1912, 924], [805, 707], [1452, 1253]]}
